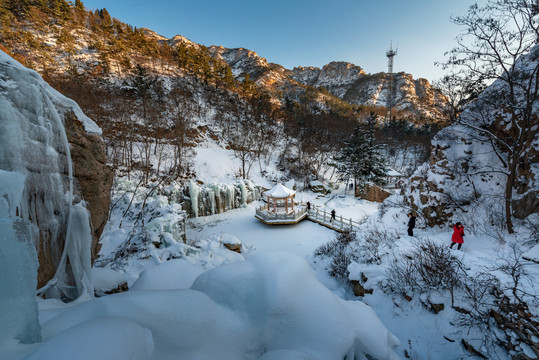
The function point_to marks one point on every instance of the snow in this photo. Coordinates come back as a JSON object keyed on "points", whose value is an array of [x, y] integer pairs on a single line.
{"points": [[282, 306], [240, 310], [107, 338], [532, 254], [279, 191], [172, 274], [391, 172], [229, 239]]}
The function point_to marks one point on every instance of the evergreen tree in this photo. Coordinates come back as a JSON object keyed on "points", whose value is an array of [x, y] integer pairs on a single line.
{"points": [[360, 157], [79, 6], [247, 86]]}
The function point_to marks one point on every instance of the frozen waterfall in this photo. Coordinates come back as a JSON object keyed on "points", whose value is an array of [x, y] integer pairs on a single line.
{"points": [[18, 265], [33, 143]]}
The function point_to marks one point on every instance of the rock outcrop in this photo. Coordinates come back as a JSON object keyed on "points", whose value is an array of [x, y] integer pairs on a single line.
{"points": [[372, 192], [466, 177], [93, 177]]}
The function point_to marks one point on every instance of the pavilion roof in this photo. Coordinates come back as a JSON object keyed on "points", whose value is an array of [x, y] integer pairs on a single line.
{"points": [[279, 191]]}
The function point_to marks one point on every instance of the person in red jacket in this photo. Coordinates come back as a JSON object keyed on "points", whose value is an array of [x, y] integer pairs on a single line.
{"points": [[458, 235]]}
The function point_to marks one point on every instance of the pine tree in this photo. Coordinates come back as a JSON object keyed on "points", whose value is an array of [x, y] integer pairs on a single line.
{"points": [[79, 6], [360, 158]]}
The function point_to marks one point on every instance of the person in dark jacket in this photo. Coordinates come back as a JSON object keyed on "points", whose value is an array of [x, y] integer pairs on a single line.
{"points": [[411, 224], [458, 235], [332, 215]]}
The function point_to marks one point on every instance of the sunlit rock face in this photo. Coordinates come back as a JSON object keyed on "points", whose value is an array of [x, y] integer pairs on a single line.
{"points": [[413, 98], [34, 143]]}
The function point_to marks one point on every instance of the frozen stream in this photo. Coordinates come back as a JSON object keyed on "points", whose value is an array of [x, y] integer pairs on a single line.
{"points": [[301, 239]]}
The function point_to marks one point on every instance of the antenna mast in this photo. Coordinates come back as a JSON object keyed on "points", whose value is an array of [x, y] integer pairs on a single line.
{"points": [[389, 104]]}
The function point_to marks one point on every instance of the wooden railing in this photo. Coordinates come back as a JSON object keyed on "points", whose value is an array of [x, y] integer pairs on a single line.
{"points": [[269, 215], [321, 215]]}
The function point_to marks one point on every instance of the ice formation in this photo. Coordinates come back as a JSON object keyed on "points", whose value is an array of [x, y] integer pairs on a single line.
{"points": [[18, 265], [217, 198], [34, 143], [194, 190], [243, 190]]}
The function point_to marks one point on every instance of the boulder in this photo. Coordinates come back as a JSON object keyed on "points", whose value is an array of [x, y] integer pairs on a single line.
{"points": [[231, 242], [359, 290], [436, 308]]}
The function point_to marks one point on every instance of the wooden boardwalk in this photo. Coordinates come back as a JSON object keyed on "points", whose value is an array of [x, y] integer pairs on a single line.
{"points": [[323, 217], [317, 214]]}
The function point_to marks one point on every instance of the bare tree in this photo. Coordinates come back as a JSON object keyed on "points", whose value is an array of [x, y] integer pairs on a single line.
{"points": [[458, 91], [492, 49]]}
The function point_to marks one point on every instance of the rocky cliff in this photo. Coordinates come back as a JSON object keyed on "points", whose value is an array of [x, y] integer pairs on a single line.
{"points": [[243, 61]]}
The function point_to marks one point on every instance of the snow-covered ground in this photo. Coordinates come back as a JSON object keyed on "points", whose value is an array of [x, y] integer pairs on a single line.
{"points": [[274, 301], [210, 302], [268, 301], [422, 334]]}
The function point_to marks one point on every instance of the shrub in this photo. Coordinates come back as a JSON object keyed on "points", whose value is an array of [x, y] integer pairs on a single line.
{"points": [[374, 243], [429, 267], [340, 253]]}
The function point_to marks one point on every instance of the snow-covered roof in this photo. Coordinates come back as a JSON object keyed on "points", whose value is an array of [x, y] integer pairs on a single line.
{"points": [[279, 191]]}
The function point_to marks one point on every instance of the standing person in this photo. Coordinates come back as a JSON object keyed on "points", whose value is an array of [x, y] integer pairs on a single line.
{"points": [[458, 235], [411, 224], [308, 205], [332, 215]]}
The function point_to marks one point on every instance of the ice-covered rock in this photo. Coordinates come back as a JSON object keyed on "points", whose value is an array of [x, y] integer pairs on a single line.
{"points": [[118, 339], [34, 142]]}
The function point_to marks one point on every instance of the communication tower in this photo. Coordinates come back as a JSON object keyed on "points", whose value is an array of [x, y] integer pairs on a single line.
{"points": [[389, 104]]}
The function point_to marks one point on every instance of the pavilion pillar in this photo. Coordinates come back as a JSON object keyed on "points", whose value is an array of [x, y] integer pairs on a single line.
{"points": [[268, 203]]}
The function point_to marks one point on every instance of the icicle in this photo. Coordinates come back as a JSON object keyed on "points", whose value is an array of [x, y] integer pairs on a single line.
{"points": [[216, 195], [243, 191], [230, 196], [194, 190]]}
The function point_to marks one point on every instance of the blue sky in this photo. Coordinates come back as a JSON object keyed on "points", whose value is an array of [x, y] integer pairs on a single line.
{"points": [[308, 33]]}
